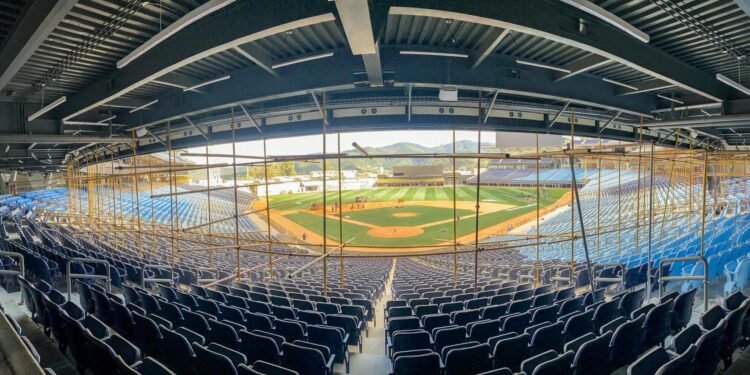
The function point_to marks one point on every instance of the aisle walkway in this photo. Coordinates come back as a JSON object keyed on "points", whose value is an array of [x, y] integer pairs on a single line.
{"points": [[372, 360]]}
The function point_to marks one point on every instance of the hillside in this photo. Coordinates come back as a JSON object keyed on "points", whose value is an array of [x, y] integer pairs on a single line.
{"points": [[464, 146]]}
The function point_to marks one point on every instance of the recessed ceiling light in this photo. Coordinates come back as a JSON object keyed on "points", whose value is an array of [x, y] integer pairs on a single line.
{"points": [[448, 21]]}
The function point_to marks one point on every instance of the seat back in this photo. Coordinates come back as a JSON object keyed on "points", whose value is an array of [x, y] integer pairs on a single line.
{"points": [[682, 310], [449, 336], [208, 362], [411, 340], [657, 324], [682, 364], [511, 352], [556, 366], [549, 337], [302, 359], [468, 360], [428, 363], [177, 353], [258, 347], [627, 342], [593, 356]]}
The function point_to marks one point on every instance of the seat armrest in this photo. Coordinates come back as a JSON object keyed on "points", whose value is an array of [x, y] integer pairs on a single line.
{"points": [[329, 364]]}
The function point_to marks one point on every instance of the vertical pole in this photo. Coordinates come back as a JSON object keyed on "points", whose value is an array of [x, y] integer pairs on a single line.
{"points": [[325, 206], [619, 206], [234, 188], [690, 185], [638, 189], [583, 229], [479, 169], [208, 201], [113, 212], [340, 206], [537, 282], [268, 209], [151, 194], [172, 200], [598, 201], [137, 193], [573, 196], [650, 221], [455, 223], [703, 204]]}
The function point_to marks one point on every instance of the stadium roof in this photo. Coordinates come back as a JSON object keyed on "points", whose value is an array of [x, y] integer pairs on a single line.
{"points": [[177, 71]]}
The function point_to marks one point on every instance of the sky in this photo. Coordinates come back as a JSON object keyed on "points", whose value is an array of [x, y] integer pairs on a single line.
{"points": [[314, 144]]}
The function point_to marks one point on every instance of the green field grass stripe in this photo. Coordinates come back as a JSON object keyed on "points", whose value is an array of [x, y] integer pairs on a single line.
{"points": [[429, 194], [412, 194]]}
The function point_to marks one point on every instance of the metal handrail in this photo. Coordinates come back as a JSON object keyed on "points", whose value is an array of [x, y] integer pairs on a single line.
{"points": [[676, 278], [609, 279], [215, 272], [22, 271], [525, 277], [107, 278], [557, 267], [144, 280]]}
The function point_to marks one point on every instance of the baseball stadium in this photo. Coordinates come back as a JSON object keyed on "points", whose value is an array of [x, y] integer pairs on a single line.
{"points": [[401, 187]]}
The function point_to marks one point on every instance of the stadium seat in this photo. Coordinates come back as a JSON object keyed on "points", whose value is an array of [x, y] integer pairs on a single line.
{"points": [[560, 365], [657, 325], [549, 337], [208, 361], [426, 363], [659, 361], [510, 352], [410, 340], [593, 356], [627, 342], [306, 360], [468, 360], [257, 347], [708, 346]]}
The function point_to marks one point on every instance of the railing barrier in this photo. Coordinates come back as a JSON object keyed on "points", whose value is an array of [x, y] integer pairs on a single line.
{"points": [[604, 266], [107, 278], [213, 271], [704, 278], [21, 271], [145, 280]]}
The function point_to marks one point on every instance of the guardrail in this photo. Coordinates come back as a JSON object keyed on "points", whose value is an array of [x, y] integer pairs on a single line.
{"points": [[21, 271], [620, 279], [145, 280], [214, 271], [704, 278], [107, 278], [530, 277], [569, 279]]}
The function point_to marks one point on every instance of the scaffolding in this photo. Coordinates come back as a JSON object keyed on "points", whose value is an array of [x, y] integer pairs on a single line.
{"points": [[122, 201]]}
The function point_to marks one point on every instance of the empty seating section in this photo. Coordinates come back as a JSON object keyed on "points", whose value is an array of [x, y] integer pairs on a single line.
{"points": [[553, 331]]}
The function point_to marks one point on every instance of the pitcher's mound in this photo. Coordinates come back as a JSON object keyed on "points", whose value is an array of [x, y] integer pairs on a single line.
{"points": [[394, 232], [404, 214]]}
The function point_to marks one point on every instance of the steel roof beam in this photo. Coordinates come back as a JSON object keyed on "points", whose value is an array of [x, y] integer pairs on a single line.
{"points": [[583, 65], [38, 22], [645, 86], [355, 18], [488, 46], [250, 85], [179, 81], [234, 25], [16, 138], [562, 23], [257, 58]]}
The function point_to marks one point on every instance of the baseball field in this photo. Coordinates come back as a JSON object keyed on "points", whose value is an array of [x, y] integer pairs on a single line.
{"points": [[407, 216]]}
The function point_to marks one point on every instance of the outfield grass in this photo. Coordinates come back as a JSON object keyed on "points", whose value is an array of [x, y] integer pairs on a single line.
{"points": [[384, 216], [505, 195], [433, 234]]}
